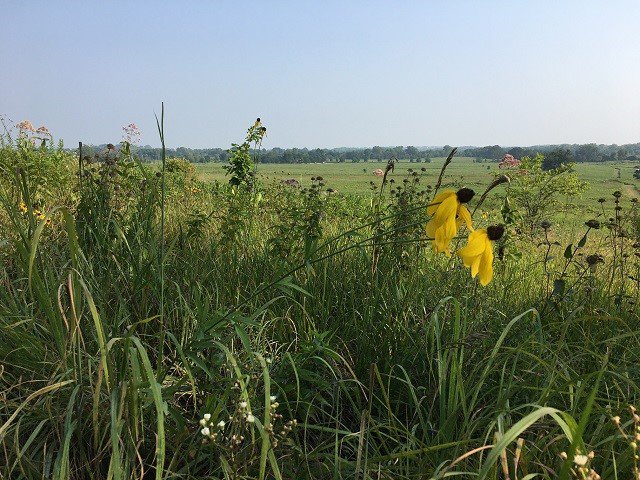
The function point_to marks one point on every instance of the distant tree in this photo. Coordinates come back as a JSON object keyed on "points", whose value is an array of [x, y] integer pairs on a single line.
{"points": [[411, 152], [588, 153], [557, 158]]}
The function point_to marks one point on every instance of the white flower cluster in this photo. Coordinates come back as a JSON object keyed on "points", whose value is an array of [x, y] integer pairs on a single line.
{"points": [[245, 413], [208, 427]]}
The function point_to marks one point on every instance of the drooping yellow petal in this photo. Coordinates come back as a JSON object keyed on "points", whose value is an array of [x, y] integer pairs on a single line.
{"points": [[444, 235], [442, 226], [475, 244], [478, 256], [437, 200], [464, 216], [475, 265], [486, 265], [447, 210]]}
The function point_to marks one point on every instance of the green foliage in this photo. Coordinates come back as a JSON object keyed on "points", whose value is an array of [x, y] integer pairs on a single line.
{"points": [[50, 169], [536, 192], [557, 159], [242, 166]]}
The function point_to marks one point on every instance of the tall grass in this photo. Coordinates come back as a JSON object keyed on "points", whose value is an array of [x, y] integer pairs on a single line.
{"points": [[134, 314]]}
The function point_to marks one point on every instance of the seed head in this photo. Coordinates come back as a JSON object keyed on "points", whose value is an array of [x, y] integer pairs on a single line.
{"points": [[465, 195], [495, 232], [595, 224]]}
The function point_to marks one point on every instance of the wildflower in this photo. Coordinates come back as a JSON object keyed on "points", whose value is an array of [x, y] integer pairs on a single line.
{"points": [[221, 424], [25, 125], [272, 398], [205, 431], [478, 254], [23, 207], [580, 460], [203, 422], [447, 214], [243, 404], [207, 416], [509, 161], [251, 418]]}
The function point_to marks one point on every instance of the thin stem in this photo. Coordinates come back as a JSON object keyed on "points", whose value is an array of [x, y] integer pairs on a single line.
{"points": [[160, 125], [444, 167]]}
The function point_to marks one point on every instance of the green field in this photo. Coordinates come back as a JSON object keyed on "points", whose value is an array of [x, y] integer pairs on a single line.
{"points": [[354, 178]]}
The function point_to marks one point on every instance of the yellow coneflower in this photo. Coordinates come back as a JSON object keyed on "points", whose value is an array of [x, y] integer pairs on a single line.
{"points": [[23, 207], [448, 212], [39, 215], [478, 254]]}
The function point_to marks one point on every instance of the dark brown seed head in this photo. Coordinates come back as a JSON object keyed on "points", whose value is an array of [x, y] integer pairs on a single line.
{"points": [[593, 259], [495, 232], [595, 224], [465, 195]]}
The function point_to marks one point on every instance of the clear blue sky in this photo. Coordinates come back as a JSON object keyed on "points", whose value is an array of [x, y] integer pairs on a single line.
{"points": [[326, 73]]}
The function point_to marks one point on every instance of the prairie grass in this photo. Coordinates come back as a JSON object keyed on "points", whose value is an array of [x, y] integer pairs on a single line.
{"points": [[318, 328]]}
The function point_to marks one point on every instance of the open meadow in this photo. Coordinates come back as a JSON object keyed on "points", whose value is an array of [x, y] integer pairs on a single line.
{"points": [[157, 321], [355, 179]]}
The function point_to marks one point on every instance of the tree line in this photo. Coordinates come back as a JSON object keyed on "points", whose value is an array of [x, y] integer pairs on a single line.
{"points": [[569, 153]]}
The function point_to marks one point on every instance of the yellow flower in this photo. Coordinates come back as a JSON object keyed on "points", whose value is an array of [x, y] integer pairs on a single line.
{"points": [[478, 254], [23, 207], [38, 214], [448, 212]]}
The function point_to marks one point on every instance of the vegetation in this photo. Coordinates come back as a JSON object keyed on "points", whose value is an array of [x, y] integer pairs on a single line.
{"points": [[156, 325], [588, 153]]}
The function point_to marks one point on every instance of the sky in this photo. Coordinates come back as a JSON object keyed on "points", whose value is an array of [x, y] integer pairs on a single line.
{"points": [[326, 73]]}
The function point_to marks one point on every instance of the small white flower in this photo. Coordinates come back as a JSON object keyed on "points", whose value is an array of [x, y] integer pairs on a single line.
{"points": [[205, 431], [251, 418], [221, 424], [243, 404], [203, 422], [268, 360], [272, 398], [580, 460], [207, 416]]}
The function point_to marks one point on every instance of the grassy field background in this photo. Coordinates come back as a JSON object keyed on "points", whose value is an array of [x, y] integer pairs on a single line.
{"points": [[354, 178]]}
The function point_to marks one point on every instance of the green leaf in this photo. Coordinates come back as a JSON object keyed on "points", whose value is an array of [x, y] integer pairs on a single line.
{"points": [[582, 241], [559, 285], [568, 252]]}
